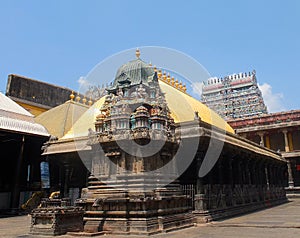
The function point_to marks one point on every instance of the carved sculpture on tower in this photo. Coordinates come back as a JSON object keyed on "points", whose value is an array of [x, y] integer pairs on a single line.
{"points": [[133, 186]]}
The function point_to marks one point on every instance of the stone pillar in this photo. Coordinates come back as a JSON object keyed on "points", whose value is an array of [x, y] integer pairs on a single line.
{"points": [[240, 173], [231, 181], [267, 174], [290, 174], [220, 172], [290, 137], [230, 173], [261, 135], [221, 182], [286, 141], [254, 180], [61, 180], [268, 144], [16, 189], [66, 181], [247, 172], [200, 198]]}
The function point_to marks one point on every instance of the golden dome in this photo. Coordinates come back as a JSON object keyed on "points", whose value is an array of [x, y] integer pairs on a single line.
{"points": [[100, 117]]}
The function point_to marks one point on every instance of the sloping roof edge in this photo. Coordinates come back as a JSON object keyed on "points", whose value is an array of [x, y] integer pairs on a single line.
{"points": [[26, 127]]}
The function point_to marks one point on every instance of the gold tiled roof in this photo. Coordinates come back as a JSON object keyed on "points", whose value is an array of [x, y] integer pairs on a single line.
{"points": [[60, 119], [182, 107], [86, 121]]}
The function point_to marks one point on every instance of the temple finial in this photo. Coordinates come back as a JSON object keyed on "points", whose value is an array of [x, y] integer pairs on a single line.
{"points": [[72, 96], [172, 81], [137, 53], [159, 73], [77, 97], [84, 100], [90, 102], [168, 78]]}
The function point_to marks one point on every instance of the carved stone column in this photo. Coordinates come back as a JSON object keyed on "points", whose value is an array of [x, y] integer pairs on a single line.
{"points": [[66, 181], [261, 135], [267, 174], [290, 174], [16, 189], [221, 182], [200, 198], [231, 180], [286, 141]]}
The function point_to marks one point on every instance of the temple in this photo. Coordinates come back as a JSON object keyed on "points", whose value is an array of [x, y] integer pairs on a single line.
{"points": [[279, 132], [234, 96], [21, 139], [157, 159]]}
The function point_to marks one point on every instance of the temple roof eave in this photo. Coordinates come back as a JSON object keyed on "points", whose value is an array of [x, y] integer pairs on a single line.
{"points": [[22, 127], [66, 146]]}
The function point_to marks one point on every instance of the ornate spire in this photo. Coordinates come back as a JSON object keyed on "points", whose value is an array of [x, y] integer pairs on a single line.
{"points": [[159, 74], [172, 81], [180, 86], [164, 76], [176, 83], [90, 102], [168, 78], [72, 96], [84, 100], [77, 97], [137, 53]]}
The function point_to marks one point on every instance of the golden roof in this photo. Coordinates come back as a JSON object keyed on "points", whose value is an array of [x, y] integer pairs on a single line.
{"points": [[86, 121], [60, 119], [182, 106]]}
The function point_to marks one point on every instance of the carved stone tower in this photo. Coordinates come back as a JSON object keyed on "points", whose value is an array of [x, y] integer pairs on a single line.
{"points": [[133, 186]]}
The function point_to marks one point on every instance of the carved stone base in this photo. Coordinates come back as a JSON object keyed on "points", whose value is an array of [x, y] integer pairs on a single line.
{"points": [[139, 226], [136, 215], [293, 192], [51, 220], [206, 216]]}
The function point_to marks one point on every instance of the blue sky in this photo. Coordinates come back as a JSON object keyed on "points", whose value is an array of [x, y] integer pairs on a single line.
{"points": [[59, 41]]}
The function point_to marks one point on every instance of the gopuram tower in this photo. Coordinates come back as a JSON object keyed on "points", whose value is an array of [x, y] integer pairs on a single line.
{"points": [[133, 188]]}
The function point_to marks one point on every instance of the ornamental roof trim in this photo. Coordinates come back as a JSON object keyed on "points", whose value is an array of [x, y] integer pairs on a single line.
{"points": [[27, 127]]}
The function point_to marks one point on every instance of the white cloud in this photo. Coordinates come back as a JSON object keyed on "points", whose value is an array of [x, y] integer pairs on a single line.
{"points": [[197, 88], [273, 101], [83, 84]]}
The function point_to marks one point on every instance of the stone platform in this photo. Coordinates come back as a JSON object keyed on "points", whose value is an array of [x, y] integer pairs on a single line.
{"points": [[274, 222], [56, 217]]}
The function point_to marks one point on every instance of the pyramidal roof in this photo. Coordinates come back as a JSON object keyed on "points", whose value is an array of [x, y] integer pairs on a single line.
{"points": [[60, 119], [8, 105], [16, 119]]}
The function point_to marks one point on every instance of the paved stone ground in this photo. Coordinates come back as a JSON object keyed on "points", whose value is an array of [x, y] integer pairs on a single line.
{"points": [[277, 222]]}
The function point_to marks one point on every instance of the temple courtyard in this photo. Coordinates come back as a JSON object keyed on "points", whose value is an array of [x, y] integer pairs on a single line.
{"points": [[279, 221]]}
